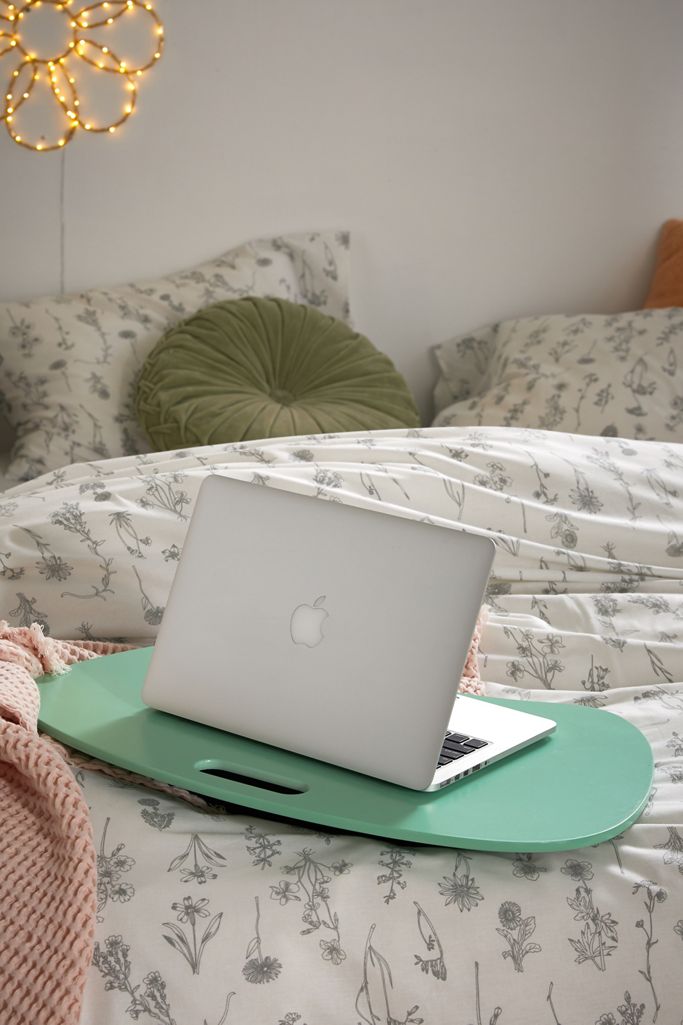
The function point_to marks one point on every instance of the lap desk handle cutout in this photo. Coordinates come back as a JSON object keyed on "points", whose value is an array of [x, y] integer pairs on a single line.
{"points": [[328, 640]]}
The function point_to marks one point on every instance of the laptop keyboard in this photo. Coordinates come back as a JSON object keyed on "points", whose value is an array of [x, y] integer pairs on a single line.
{"points": [[457, 745]]}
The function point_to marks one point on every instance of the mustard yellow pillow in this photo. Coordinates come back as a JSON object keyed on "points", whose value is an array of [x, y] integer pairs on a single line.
{"points": [[666, 287]]}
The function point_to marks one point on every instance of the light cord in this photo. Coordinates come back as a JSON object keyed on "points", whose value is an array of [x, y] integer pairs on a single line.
{"points": [[62, 222]]}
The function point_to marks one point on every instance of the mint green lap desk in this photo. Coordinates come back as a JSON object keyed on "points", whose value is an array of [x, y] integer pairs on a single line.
{"points": [[585, 783]]}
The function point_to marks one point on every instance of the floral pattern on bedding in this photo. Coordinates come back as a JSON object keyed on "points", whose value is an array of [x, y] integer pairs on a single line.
{"points": [[209, 910], [617, 375], [92, 548], [226, 918], [70, 364]]}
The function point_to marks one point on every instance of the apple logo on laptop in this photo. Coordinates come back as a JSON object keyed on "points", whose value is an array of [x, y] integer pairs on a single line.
{"points": [[306, 624]]}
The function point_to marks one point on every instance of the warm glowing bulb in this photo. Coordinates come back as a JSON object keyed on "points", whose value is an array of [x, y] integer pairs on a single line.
{"points": [[78, 19]]}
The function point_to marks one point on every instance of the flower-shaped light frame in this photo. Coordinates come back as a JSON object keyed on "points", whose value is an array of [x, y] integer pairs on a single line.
{"points": [[60, 67]]}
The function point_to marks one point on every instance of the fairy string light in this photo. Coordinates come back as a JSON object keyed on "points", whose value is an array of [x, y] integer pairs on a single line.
{"points": [[77, 38]]}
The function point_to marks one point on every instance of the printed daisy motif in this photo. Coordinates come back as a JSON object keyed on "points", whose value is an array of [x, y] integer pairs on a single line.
{"points": [[516, 930], [259, 968], [54, 53], [510, 914], [461, 889]]}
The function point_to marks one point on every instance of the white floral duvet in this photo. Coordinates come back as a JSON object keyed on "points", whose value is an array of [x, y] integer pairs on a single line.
{"points": [[209, 917]]}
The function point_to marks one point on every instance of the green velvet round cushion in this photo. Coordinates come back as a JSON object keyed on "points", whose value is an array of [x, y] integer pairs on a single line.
{"points": [[262, 368]]}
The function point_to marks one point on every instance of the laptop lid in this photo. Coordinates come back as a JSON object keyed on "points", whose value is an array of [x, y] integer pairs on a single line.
{"points": [[326, 629]]}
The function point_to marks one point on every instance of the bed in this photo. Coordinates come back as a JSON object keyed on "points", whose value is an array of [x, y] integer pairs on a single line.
{"points": [[561, 439], [215, 915]]}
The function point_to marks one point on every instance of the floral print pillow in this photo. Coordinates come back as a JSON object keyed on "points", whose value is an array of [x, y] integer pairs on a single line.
{"points": [[69, 364], [617, 375]]}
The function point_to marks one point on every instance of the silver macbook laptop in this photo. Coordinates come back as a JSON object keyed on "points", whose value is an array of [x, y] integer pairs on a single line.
{"points": [[336, 632]]}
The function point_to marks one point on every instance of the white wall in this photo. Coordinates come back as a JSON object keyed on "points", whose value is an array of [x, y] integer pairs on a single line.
{"points": [[491, 157]]}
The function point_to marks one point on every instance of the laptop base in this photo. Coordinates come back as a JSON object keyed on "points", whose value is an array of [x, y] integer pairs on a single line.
{"points": [[585, 783]]}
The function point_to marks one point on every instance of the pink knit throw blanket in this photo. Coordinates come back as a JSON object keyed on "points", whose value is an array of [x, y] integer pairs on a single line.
{"points": [[47, 873], [48, 879]]}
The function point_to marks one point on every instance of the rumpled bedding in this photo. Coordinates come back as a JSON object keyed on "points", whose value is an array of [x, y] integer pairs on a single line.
{"points": [[220, 916]]}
